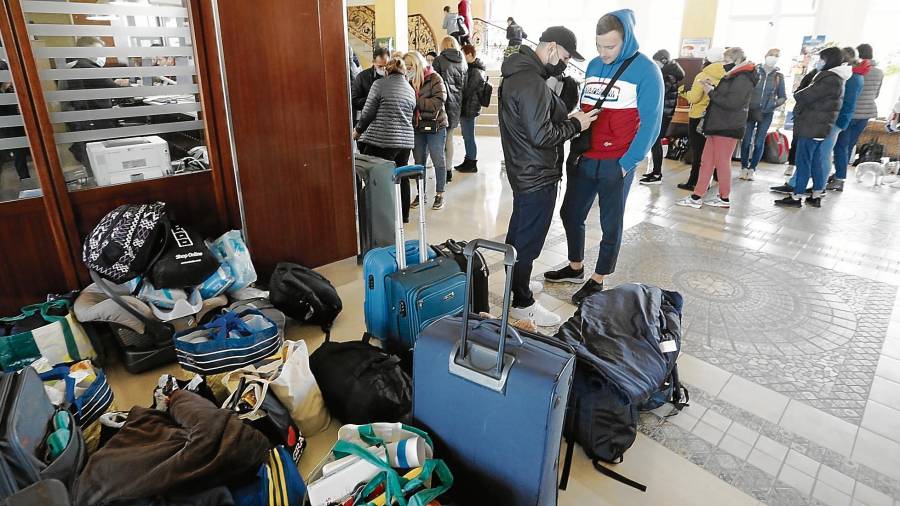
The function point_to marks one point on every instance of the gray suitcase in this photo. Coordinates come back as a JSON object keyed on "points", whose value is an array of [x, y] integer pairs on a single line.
{"points": [[375, 195]]}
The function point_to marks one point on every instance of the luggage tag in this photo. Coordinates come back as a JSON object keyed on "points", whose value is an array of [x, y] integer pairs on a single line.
{"points": [[669, 346]]}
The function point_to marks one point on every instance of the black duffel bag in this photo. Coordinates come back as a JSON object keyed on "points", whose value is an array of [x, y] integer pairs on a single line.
{"points": [[304, 295], [360, 383]]}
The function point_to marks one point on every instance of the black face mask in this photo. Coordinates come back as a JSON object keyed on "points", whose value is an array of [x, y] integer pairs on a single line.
{"points": [[556, 70], [728, 66]]}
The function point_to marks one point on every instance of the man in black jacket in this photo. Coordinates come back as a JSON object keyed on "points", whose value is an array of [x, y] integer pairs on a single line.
{"points": [[533, 121], [359, 91]]}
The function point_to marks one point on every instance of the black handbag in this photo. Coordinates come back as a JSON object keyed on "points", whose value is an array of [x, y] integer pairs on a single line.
{"points": [[360, 383], [185, 262], [582, 143]]}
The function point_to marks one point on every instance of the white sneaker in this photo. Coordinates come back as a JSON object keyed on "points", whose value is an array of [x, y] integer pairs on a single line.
{"points": [[536, 287], [718, 202], [789, 171], [541, 316], [689, 202], [743, 175], [751, 174]]}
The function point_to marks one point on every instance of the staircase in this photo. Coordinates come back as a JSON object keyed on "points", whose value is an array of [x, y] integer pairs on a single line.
{"points": [[488, 122]]}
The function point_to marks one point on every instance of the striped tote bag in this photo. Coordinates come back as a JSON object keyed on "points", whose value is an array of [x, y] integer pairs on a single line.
{"points": [[231, 341]]}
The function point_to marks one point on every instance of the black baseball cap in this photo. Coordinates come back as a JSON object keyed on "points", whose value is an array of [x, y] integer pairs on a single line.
{"points": [[565, 38]]}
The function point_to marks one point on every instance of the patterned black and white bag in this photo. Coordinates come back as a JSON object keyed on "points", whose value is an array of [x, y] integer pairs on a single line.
{"points": [[127, 241]]}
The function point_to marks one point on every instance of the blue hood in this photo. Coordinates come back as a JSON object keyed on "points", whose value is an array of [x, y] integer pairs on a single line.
{"points": [[630, 44]]}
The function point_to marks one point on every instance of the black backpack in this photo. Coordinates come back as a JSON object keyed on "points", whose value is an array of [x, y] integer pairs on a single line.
{"points": [[487, 91], [304, 295], [871, 151], [127, 241], [360, 383], [185, 262]]}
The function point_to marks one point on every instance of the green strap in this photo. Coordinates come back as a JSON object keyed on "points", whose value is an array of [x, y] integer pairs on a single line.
{"points": [[71, 345], [431, 468], [393, 488], [368, 436]]}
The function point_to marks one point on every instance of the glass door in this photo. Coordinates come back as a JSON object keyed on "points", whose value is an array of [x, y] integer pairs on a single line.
{"points": [[18, 179]]}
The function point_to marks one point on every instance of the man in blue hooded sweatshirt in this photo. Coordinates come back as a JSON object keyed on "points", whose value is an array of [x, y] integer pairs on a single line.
{"points": [[625, 130]]}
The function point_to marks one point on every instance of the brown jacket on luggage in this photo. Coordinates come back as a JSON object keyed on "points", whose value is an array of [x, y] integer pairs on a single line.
{"points": [[194, 446]]}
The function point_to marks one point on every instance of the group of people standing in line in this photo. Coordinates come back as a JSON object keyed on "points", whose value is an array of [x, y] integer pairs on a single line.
{"points": [[407, 103], [417, 108]]}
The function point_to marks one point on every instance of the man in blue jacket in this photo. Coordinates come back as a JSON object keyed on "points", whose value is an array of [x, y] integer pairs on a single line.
{"points": [[625, 130]]}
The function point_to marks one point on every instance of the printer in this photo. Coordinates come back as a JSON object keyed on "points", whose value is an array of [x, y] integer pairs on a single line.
{"points": [[125, 160]]}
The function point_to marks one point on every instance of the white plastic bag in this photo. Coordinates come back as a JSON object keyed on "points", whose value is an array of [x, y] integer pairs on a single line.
{"points": [[231, 249], [294, 385]]}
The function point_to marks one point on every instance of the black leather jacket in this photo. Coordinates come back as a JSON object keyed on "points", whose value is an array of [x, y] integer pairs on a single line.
{"points": [[533, 121]]}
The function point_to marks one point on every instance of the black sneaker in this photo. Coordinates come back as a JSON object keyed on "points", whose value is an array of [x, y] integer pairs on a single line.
{"points": [[415, 203], [565, 275], [784, 189], [789, 201], [438, 202], [449, 175], [685, 186], [651, 179], [835, 185], [589, 288], [814, 201]]}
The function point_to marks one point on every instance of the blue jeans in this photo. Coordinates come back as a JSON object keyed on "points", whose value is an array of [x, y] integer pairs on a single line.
{"points": [[755, 137], [809, 163], [434, 144], [823, 165], [594, 179], [844, 146], [528, 227], [467, 125]]}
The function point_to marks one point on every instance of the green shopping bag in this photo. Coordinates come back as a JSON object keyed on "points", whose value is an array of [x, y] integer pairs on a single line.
{"points": [[61, 340], [434, 480]]}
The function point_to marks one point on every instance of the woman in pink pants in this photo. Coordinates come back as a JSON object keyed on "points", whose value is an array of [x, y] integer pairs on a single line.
{"points": [[723, 126]]}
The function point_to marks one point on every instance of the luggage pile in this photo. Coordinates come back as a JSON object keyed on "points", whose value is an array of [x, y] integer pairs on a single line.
{"points": [[440, 402]]}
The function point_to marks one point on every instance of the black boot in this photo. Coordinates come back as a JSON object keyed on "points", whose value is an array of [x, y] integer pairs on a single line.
{"points": [[463, 165], [469, 166]]}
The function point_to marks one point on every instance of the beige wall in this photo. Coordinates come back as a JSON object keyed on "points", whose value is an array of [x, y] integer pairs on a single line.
{"points": [[699, 18]]}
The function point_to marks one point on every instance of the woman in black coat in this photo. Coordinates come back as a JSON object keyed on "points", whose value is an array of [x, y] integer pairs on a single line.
{"points": [[815, 113], [672, 75], [471, 108], [454, 70]]}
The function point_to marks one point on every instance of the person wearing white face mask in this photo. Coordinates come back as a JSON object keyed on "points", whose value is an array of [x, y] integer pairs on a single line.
{"points": [[359, 90], [93, 62], [768, 95]]}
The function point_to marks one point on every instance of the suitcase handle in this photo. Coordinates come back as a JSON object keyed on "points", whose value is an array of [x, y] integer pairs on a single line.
{"points": [[462, 355], [417, 172]]}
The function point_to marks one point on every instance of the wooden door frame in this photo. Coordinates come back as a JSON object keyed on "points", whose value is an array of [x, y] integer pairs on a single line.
{"points": [[55, 196]]}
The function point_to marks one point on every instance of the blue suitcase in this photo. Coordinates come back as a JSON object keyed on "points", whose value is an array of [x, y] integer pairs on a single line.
{"points": [[420, 294], [380, 263], [494, 400]]}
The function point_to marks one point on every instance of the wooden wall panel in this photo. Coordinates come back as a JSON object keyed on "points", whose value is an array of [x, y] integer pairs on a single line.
{"points": [[29, 265], [285, 67]]}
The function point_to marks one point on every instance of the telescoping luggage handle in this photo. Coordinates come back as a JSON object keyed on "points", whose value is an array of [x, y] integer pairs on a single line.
{"points": [[475, 362], [418, 173]]}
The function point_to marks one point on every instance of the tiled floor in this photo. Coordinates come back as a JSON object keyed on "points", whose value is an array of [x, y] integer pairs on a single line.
{"points": [[791, 348]]}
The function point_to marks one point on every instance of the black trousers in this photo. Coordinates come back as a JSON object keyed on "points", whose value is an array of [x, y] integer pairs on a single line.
{"points": [[697, 142], [657, 150], [400, 157], [528, 227]]}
